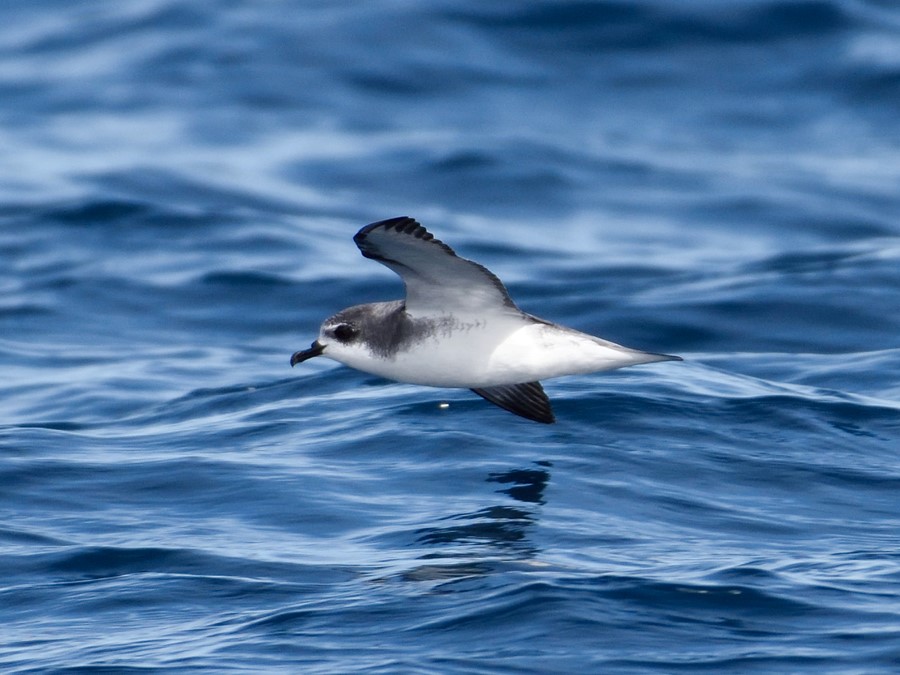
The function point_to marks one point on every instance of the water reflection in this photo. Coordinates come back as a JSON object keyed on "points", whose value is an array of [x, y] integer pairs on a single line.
{"points": [[497, 532], [527, 484]]}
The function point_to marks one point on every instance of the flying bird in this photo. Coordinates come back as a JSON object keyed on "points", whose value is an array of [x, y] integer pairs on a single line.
{"points": [[458, 328]]}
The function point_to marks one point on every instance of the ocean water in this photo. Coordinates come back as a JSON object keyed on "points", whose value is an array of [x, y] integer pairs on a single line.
{"points": [[179, 186]]}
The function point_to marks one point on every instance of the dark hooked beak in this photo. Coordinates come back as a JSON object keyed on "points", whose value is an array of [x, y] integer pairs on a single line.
{"points": [[315, 349]]}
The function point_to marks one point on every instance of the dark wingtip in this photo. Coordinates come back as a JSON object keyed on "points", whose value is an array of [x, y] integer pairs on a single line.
{"points": [[526, 400], [548, 419], [399, 223]]}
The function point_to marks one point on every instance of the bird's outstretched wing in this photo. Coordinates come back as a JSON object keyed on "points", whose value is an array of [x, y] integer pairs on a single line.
{"points": [[436, 279], [527, 400]]}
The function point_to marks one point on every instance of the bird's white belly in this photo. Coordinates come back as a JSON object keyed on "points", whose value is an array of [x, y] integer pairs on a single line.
{"points": [[541, 351], [502, 355], [459, 360]]}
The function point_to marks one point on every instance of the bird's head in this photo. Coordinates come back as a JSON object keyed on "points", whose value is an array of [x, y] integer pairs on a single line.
{"points": [[341, 338]]}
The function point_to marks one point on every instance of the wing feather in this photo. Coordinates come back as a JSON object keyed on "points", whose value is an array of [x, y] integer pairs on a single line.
{"points": [[527, 400], [436, 279]]}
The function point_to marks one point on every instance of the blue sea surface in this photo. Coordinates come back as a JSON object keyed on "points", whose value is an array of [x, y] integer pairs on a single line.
{"points": [[179, 187]]}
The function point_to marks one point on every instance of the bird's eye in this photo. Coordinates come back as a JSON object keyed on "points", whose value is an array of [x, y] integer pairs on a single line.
{"points": [[344, 332]]}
